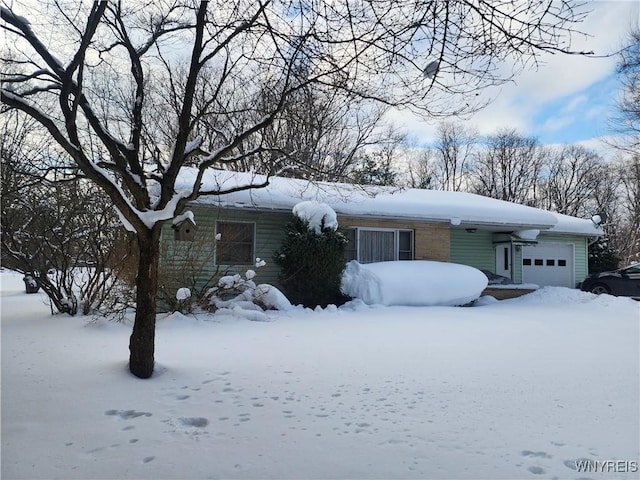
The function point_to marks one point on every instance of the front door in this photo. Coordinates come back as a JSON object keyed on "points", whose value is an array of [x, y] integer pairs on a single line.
{"points": [[503, 260]]}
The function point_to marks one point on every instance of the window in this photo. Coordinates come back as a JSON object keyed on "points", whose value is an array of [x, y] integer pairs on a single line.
{"points": [[376, 246], [235, 246], [538, 262], [405, 245], [351, 250], [526, 261], [562, 263], [368, 245], [551, 262]]}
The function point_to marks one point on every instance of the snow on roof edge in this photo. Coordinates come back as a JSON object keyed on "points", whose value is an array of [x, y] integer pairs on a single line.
{"points": [[282, 194]]}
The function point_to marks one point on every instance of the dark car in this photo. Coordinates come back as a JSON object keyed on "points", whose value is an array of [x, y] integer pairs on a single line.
{"points": [[625, 281]]}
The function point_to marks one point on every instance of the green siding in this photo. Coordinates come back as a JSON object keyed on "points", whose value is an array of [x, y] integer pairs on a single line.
{"points": [[478, 250], [193, 263], [517, 264], [186, 263], [474, 249]]}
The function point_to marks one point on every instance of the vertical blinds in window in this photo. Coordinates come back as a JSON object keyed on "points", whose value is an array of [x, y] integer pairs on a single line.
{"points": [[377, 246]]}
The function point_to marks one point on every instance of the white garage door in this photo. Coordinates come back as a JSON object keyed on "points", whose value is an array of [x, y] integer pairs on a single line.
{"points": [[548, 264]]}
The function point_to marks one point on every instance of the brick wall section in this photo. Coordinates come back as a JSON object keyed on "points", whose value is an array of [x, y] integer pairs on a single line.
{"points": [[432, 240]]}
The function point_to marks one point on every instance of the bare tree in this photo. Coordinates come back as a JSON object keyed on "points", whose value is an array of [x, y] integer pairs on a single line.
{"points": [[627, 235], [376, 166], [454, 150], [61, 234], [376, 51], [627, 120], [626, 123], [322, 130], [509, 168], [419, 167], [573, 179]]}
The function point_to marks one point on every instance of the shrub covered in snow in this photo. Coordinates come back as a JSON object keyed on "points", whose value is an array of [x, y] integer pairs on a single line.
{"points": [[413, 283], [183, 297], [311, 257], [319, 216], [240, 296]]}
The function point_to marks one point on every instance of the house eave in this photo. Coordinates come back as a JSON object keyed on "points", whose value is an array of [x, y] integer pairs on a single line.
{"points": [[463, 223]]}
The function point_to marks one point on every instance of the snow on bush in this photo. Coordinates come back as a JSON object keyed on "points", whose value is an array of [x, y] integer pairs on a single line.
{"points": [[311, 256], [271, 298], [241, 297], [183, 294], [418, 282], [318, 215]]}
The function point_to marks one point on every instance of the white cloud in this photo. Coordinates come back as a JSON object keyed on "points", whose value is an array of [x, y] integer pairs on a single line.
{"points": [[557, 123], [575, 103], [516, 104]]}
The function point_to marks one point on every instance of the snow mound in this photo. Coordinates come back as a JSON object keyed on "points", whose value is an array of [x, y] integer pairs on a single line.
{"points": [[271, 298], [563, 295], [317, 215], [237, 311], [413, 283]]}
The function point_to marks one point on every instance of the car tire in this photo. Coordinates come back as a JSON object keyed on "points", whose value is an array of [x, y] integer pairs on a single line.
{"points": [[600, 288]]}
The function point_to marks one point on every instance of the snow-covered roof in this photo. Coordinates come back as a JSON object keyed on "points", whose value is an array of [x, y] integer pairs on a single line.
{"points": [[573, 225], [460, 209]]}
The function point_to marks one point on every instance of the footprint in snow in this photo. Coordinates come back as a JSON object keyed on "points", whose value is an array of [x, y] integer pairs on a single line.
{"points": [[529, 453], [127, 414], [198, 422], [537, 470]]}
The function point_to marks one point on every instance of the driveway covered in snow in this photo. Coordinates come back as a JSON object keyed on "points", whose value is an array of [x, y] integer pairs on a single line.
{"points": [[523, 388]]}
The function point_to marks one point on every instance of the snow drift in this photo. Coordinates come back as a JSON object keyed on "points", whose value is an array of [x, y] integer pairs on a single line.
{"points": [[413, 283]]}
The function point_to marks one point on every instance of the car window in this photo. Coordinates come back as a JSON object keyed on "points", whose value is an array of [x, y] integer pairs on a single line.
{"points": [[632, 269]]}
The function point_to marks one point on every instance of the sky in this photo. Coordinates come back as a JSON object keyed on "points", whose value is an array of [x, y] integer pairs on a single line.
{"points": [[567, 99]]}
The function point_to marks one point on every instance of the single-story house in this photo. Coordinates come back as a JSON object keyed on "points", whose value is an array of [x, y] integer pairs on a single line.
{"points": [[226, 233]]}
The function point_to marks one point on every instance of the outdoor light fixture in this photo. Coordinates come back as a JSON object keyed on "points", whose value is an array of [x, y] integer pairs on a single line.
{"points": [[471, 230]]}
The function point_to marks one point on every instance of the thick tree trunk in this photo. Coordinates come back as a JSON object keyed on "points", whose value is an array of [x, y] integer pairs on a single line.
{"points": [[142, 341]]}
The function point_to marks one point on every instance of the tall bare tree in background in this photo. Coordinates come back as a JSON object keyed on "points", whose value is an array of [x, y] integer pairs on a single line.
{"points": [[574, 177], [627, 224], [108, 72], [322, 131], [627, 120], [454, 151], [627, 123], [508, 168]]}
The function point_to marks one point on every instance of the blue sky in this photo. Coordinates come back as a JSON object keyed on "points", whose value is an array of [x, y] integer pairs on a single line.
{"points": [[580, 116], [568, 99]]}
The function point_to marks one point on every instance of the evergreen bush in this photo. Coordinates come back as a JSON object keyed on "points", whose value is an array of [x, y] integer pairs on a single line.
{"points": [[311, 264], [602, 257]]}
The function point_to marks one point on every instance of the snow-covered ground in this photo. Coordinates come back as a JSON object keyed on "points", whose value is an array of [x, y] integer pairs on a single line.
{"points": [[521, 388]]}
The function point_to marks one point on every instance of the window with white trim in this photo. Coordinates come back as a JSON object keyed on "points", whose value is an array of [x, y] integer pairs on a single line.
{"points": [[236, 243], [369, 245]]}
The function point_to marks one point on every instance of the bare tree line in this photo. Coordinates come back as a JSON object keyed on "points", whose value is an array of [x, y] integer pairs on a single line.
{"points": [[568, 179]]}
